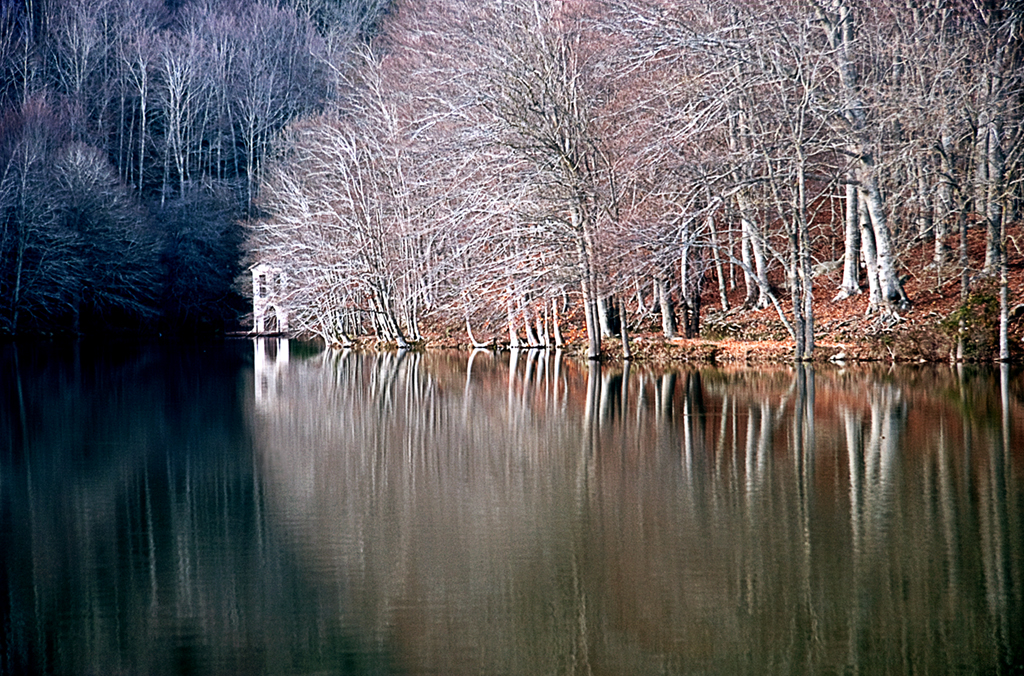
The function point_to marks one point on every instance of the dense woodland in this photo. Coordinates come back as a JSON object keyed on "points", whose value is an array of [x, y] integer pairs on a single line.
{"points": [[132, 134], [518, 169]]}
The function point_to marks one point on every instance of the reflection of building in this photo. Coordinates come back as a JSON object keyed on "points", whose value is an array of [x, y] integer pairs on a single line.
{"points": [[267, 314], [270, 357]]}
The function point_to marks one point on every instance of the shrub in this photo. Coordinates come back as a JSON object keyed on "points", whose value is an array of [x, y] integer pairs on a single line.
{"points": [[977, 321]]}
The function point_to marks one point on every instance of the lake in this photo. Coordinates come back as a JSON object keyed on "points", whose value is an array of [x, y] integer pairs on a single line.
{"points": [[260, 507]]}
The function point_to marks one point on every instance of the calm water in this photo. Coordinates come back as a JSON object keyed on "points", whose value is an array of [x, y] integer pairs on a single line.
{"points": [[262, 508]]}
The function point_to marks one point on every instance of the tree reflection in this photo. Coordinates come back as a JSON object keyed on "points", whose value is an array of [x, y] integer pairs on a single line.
{"points": [[507, 513], [714, 520], [132, 531]]}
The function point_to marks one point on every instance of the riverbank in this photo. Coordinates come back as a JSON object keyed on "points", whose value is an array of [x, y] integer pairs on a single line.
{"points": [[844, 332], [941, 311], [927, 331]]}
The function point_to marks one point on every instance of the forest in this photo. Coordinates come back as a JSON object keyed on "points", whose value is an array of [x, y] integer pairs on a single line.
{"points": [[528, 172], [132, 137]]}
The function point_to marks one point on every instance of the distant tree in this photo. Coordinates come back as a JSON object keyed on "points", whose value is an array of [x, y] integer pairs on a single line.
{"points": [[272, 77], [137, 53], [31, 136], [77, 251], [344, 20], [200, 258], [183, 98], [78, 54], [108, 248]]}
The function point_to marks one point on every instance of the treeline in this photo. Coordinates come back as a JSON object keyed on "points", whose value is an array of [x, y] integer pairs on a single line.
{"points": [[132, 137], [499, 163]]}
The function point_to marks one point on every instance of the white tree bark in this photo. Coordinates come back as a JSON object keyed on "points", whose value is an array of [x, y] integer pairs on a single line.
{"points": [[840, 28], [668, 315], [753, 256], [850, 285], [869, 253]]}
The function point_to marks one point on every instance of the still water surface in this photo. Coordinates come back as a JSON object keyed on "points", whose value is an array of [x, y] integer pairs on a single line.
{"points": [[260, 508]]}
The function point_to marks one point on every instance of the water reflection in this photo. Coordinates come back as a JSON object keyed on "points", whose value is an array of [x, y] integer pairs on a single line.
{"points": [[132, 534], [525, 514], [517, 513]]}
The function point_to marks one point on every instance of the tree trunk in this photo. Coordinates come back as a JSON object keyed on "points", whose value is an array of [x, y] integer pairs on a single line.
{"points": [[723, 298], [555, 324], [513, 335], [606, 308], [627, 353], [1004, 301], [795, 287], [840, 29], [19, 266], [889, 286], [691, 275], [751, 246], [750, 299], [925, 210], [542, 326], [981, 188], [850, 285], [472, 339], [752, 256], [588, 284], [807, 283], [994, 196], [964, 278], [944, 202], [668, 315], [642, 309], [590, 314], [531, 336], [869, 253], [392, 323]]}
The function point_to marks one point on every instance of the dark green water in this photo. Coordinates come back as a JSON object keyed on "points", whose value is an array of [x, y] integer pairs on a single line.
{"points": [[263, 509]]}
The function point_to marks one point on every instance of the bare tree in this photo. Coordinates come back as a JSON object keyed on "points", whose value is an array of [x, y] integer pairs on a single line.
{"points": [[342, 217], [181, 96], [112, 254], [533, 82], [840, 23], [78, 51], [77, 251], [271, 79], [30, 139]]}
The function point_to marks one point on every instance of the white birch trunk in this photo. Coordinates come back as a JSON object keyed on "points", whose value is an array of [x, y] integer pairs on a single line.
{"points": [[555, 324], [627, 352], [994, 206], [604, 314], [723, 298], [890, 289], [513, 334], [587, 282], [840, 32], [804, 241], [850, 285], [997, 229], [752, 238], [590, 314], [981, 187], [668, 317], [867, 243]]}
